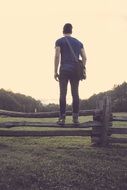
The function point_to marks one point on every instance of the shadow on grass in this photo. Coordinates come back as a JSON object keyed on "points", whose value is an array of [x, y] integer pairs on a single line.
{"points": [[3, 146]]}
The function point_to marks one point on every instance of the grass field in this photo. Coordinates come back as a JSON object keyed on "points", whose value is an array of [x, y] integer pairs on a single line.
{"points": [[60, 163]]}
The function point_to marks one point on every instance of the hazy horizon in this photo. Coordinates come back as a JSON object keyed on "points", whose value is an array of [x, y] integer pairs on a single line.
{"points": [[47, 101], [28, 33]]}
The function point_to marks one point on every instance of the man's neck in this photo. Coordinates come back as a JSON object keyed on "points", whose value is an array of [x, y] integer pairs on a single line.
{"points": [[67, 34]]}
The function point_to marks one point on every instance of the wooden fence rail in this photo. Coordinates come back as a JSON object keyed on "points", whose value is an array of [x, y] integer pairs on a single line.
{"points": [[88, 124], [116, 118], [46, 114], [65, 132], [100, 129]]}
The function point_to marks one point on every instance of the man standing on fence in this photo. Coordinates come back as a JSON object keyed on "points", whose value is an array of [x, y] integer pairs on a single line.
{"points": [[67, 71]]}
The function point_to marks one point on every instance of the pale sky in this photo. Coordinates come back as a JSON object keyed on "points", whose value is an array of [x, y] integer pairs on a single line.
{"points": [[29, 29]]}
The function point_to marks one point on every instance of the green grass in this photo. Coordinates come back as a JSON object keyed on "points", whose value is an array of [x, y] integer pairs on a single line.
{"points": [[60, 163], [120, 114]]}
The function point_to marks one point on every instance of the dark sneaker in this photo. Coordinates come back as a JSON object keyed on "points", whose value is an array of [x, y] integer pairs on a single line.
{"points": [[76, 121], [61, 121]]}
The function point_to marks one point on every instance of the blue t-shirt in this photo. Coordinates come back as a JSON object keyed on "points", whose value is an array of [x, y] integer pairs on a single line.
{"points": [[67, 58]]}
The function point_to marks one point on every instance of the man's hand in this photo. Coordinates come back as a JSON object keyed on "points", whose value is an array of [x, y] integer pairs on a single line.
{"points": [[56, 76]]}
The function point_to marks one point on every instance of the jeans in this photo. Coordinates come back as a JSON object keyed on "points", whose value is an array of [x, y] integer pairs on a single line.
{"points": [[65, 77]]}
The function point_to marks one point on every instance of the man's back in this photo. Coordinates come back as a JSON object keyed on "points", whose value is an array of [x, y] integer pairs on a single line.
{"points": [[66, 55]]}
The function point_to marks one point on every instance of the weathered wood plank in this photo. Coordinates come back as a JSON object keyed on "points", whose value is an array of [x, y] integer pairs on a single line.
{"points": [[88, 124], [117, 140], [96, 131], [115, 118], [105, 121], [19, 133], [117, 130], [45, 114]]}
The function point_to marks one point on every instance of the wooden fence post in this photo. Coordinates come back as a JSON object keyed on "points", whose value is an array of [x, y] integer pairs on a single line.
{"points": [[100, 135], [106, 118], [95, 137]]}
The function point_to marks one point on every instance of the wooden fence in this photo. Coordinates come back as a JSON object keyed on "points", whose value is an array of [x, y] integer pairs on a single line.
{"points": [[100, 129]]}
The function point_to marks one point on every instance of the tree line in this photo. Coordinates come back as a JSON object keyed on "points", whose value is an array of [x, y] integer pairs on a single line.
{"points": [[20, 102], [118, 99]]}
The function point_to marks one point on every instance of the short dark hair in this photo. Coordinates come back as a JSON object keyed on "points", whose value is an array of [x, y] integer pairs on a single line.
{"points": [[67, 28]]}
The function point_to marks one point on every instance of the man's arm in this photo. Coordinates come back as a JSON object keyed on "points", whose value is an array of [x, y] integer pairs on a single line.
{"points": [[56, 62], [83, 55]]}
